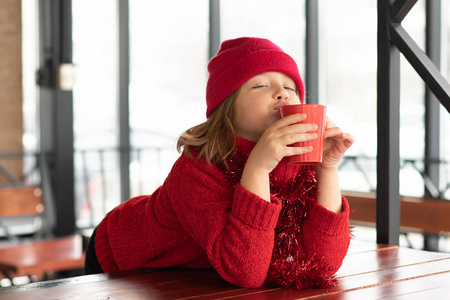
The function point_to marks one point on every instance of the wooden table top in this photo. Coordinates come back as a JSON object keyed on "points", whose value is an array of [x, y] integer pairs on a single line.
{"points": [[369, 271], [56, 254]]}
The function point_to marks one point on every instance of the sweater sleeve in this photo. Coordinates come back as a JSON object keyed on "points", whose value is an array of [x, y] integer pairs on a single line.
{"points": [[326, 236], [232, 225]]}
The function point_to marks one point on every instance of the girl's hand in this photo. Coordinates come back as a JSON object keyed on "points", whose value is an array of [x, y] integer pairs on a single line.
{"points": [[271, 148], [273, 144], [335, 145]]}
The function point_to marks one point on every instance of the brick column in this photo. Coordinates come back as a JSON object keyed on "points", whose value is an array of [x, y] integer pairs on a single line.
{"points": [[11, 116]]}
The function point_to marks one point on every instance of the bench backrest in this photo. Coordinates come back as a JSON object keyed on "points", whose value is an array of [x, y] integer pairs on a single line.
{"points": [[417, 214], [21, 201]]}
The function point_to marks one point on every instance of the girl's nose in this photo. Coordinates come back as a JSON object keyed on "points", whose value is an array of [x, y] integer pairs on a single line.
{"points": [[282, 95]]}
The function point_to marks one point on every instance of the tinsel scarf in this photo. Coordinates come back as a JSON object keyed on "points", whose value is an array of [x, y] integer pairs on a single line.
{"points": [[288, 266]]}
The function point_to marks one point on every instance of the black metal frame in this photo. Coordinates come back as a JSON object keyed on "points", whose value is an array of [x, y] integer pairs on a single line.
{"points": [[214, 27], [312, 51], [123, 107], [432, 116], [56, 110], [432, 106], [388, 116]]}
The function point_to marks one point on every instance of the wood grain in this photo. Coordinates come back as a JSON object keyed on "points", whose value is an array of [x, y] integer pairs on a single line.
{"points": [[21, 201]]}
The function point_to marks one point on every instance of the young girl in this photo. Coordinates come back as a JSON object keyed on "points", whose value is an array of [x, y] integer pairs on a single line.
{"points": [[230, 201]]}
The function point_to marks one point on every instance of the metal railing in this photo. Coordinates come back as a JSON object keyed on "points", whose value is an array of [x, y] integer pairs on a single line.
{"points": [[418, 165], [97, 180]]}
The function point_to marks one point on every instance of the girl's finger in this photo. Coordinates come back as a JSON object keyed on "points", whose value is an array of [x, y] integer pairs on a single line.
{"points": [[333, 132], [289, 151], [298, 128], [329, 123], [289, 139], [289, 120], [348, 139]]}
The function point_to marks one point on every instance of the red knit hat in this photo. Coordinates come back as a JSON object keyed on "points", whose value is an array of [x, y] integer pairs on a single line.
{"points": [[240, 59]]}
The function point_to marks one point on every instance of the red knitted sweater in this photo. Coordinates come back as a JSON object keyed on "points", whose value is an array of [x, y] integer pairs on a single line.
{"points": [[201, 217]]}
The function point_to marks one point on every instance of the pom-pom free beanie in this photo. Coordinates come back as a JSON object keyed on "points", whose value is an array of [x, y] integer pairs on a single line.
{"points": [[240, 59]]}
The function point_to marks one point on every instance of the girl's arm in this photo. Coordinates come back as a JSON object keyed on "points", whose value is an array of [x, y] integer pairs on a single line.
{"points": [[328, 190], [256, 180]]}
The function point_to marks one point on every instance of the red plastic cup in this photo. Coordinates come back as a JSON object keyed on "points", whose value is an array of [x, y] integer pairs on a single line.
{"points": [[315, 114]]}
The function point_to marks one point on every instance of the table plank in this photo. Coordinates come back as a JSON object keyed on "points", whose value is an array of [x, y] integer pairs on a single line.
{"points": [[357, 246], [430, 286], [363, 262]]}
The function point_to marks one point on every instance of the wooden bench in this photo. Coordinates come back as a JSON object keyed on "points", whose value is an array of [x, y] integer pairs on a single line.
{"points": [[422, 215], [39, 257]]}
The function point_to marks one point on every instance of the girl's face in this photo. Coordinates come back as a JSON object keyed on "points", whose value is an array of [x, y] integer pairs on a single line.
{"points": [[256, 106]]}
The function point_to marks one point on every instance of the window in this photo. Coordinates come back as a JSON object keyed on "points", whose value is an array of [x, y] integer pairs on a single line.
{"points": [[168, 57], [95, 55]]}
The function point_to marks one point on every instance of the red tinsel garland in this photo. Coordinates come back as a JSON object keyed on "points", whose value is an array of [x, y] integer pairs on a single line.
{"points": [[288, 268]]}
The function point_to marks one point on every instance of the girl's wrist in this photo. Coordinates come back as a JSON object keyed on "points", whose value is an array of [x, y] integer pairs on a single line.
{"points": [[328, 191], [256, 180], [322, 169]]}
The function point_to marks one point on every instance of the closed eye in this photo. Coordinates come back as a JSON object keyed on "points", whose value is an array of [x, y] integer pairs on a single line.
{"points": [[289, 88], [259, 86]]}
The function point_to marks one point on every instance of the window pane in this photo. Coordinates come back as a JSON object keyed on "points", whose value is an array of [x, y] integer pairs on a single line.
{"points": [[283, 23], [95, 108], [168, 53], [348, 66], [30, 54], [412, 108]]}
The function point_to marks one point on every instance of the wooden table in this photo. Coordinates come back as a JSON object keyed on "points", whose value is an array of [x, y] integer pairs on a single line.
{"points": [[38, 257], [369, 271]]}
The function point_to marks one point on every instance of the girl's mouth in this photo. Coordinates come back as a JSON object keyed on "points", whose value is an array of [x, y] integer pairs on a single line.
{"points": [[282, 104]]}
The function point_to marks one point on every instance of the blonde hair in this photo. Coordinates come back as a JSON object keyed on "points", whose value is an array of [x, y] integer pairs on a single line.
{"points": [[214, 139]]}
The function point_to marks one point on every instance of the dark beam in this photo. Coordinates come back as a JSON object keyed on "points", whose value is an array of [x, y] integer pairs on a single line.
{"points": [[432, 115], [388, 116], [123, 103], [312, 51], [400, 9], [214, 27], [422, 64], [56, 113]]}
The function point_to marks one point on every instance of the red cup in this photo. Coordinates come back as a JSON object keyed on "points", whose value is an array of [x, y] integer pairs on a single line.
{"points": [[315, 114]]}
